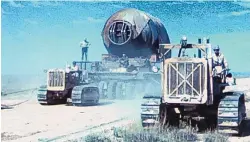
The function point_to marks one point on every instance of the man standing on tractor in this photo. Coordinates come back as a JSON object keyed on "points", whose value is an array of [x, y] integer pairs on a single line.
{"points": [[85, 45]]}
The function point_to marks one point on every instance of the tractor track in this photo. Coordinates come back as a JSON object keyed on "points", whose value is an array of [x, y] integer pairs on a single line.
{"points": [[4, 94], [10, 106], [84, 132], [71, 136]]}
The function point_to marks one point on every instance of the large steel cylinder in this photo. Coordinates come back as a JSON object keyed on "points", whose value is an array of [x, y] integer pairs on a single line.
{"points": [[134, 33]]}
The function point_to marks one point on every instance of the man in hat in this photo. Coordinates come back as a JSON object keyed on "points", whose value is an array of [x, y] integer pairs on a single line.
{"points": [[218, 58]]}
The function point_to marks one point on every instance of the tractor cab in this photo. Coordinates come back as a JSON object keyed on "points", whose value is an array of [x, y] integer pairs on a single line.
{"points": [[84, 67], [188, 73]]}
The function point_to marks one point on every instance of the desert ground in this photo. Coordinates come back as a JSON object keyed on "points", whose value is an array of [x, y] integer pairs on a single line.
{"points": [[30, 121]]}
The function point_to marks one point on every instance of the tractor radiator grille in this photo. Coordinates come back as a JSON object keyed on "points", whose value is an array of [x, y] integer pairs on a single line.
{"points": [[56, 79], [185, 79]]}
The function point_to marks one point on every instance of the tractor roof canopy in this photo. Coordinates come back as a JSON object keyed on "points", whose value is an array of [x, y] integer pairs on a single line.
{"points": [[189, 50]]}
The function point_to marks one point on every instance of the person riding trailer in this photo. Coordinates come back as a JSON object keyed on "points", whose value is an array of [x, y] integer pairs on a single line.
{"points": [[124, 61]]}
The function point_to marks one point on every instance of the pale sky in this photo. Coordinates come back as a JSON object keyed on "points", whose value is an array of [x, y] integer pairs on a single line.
{"points": [[42, 35]]}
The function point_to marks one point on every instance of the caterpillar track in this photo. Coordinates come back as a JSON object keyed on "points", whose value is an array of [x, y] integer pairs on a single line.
{"points": [[150, 109], [231, 113], [125, 90], [42, 95], [85, 94], [102, 85], [111, 89], [117, 89]]}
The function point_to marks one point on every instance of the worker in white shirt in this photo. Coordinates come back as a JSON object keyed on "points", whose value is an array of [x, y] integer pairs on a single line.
{"points": [[85, 45], [75, 67], [75, 70], [68, 69]]}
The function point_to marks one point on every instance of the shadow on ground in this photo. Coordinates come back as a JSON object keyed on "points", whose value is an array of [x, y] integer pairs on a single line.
{"points": [[91, 104], [246, 127], [203, 128]]}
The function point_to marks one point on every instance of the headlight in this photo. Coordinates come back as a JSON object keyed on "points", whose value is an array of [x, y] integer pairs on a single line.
{"points": [[155, 69]]}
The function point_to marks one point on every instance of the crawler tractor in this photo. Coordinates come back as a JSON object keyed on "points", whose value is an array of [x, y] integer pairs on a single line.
{"points": [[192, 89], [118, 82], [73, 86]]}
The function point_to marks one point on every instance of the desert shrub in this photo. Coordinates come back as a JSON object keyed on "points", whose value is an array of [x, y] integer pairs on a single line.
{"points": [[140, 136], [156, 134], [182, 135], [97, 138], [135, 133], [215, 136]]}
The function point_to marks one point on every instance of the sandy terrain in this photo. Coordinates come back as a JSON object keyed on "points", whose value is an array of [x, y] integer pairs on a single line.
{"points": [[35, 121], [30, 121]]}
